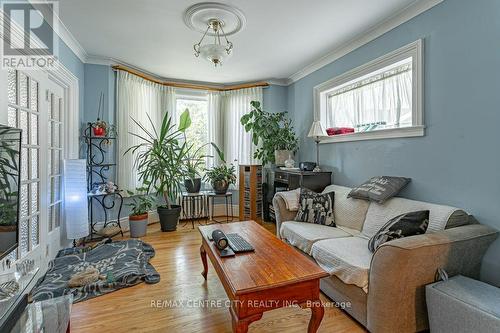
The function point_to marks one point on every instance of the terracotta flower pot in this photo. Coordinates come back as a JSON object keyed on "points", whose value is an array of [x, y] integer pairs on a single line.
{"points": [[138, 225]]}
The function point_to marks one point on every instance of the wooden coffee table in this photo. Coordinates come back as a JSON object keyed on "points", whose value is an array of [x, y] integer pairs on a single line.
{"points": [[274, 276]]}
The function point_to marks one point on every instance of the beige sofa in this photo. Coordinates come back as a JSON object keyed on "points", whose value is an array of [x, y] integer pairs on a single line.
{"points": [[385, 289]]}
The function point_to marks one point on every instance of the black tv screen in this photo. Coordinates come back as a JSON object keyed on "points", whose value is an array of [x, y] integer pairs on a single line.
{"points": [[10, 169]]}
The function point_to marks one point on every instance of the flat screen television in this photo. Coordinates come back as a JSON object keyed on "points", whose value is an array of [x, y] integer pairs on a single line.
{"points": [[10, 184]]}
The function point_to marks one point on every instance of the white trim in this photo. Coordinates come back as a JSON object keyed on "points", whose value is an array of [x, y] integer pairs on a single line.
{"points": [[378, 30], [63, 33], [413, 50], [70, 84], [390, 133]]}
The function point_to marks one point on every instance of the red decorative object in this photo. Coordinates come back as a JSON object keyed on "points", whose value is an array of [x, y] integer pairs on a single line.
{"points": [[339, 130], [99, 131]]}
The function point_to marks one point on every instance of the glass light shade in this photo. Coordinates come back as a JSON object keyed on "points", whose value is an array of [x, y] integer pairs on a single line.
{"points": [[75, 199], [214, 53]]}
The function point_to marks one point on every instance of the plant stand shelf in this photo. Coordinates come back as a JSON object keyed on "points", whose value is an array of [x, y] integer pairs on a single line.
{"points": [[108, 202]]}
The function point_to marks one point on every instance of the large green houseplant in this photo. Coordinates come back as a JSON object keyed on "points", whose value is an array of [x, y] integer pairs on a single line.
{"points": [[272, 133], [160, 161]]}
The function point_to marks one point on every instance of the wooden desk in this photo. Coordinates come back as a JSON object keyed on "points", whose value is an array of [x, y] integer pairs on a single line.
{"points": [[274, 276]]}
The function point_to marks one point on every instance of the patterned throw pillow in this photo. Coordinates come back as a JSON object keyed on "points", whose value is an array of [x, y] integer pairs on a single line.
{"points": [[404, 225], [316, 208], [379, 189]]}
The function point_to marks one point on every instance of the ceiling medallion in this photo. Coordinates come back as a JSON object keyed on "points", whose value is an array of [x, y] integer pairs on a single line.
{"points": [[218, 21]]}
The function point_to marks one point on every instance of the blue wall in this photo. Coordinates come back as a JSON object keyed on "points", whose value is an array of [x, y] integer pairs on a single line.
{"points": [[457, 162], [275, 98], [99, 79]]}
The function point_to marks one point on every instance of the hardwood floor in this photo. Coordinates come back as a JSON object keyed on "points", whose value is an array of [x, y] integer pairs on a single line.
{"points": [[172, 305]]}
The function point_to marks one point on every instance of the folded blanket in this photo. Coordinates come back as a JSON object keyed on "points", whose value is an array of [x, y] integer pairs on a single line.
{"points": [[291, 199]]}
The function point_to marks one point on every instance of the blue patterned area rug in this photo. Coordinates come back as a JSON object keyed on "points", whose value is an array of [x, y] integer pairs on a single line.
{"points": [[124, 263]]}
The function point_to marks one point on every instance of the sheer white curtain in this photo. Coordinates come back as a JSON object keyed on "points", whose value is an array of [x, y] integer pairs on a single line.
{"points": [[237, 143], [215, 126], [137, 98], [381, 100]]}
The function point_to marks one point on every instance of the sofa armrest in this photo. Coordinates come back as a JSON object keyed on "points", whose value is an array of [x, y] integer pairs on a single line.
{"points": [[400, 269], [282, 213]]}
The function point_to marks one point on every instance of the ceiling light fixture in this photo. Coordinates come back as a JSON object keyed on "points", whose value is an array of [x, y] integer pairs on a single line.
{"points": [[216, 51], [217, 21]]}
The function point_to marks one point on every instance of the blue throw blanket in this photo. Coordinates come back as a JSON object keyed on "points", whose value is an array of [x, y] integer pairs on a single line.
{"points": [[124, 263]]}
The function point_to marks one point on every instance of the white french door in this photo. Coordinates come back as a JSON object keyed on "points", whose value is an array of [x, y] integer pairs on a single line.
{"points": [[36, 106]]}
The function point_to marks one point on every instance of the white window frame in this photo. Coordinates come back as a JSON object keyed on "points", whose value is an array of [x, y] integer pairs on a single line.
{"points": [[413, 50]]}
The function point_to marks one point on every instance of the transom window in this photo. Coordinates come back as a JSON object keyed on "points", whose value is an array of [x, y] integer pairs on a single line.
{"points": [[381, 99]]}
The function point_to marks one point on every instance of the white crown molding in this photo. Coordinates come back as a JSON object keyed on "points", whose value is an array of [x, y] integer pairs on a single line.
{"points": [[63, 32], [376, 31]]}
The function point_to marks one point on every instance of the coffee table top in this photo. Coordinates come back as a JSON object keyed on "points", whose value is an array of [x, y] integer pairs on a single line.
{"points": [[272, 264]]}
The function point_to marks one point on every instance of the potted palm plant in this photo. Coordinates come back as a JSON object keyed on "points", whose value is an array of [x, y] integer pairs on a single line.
{"points": [[160, 161], [138, 218], [221, 176]]}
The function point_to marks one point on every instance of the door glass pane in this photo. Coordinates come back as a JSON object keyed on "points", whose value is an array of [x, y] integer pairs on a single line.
{"points": [[12, 116], [24, 164], [34, 129], [51, 217], [55, 162], [23, 237], [23, 90], [24, 201], [34, 95], [34, 163], [57, 215], [34, 198], [12, 86], [34, 231], [23, 124], [55, 135]]}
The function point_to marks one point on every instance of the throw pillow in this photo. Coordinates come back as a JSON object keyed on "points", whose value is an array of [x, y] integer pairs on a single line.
{"points": [[316, 208], [404, 225], [379, 189]]}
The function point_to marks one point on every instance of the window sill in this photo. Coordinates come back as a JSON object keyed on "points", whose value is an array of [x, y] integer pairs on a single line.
{"points": [[404, 132]]}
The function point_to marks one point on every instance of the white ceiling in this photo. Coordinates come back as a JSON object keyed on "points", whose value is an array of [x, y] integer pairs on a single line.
{"points": [[280, 38]]}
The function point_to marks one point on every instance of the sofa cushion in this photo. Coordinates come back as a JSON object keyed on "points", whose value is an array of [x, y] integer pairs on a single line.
{"points": [[316, 208], [379, 189], [303, 235], [404, 225], [348, 212], [346, 258], [379, 214]]}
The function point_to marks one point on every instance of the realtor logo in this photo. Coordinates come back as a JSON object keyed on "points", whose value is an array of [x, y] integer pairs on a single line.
{"points": [[29, 34]]}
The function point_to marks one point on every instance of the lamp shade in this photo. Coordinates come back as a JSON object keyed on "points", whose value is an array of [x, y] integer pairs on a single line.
{"points": [[75, 199], [317, 130]]}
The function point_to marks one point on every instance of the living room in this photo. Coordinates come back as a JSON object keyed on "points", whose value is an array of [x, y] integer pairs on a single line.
{"points": [[319, 163]]}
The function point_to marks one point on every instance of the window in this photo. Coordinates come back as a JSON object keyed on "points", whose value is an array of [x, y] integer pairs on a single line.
{"points": [[197, 133], [381, 99]]}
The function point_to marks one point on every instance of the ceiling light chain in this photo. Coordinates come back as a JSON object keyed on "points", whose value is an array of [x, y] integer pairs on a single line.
{"points": [[214, 52]]}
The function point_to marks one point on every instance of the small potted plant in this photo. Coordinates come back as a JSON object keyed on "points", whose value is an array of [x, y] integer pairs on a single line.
{"points": [[221, 176], [138, 218]]}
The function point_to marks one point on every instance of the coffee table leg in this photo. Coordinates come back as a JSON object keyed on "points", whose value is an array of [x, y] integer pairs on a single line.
{"points": [[241, 325], [317, 312], [203, 255]]}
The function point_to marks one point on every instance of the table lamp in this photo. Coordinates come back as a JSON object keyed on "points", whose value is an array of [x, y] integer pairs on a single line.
{"points": [[75, 199], [317, 131]]}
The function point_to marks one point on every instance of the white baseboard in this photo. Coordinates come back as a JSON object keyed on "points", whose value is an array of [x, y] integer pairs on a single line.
{"points": [[219, 210]]}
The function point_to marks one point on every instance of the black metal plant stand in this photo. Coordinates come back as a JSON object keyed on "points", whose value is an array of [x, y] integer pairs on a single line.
{"points": [[97, 167]]}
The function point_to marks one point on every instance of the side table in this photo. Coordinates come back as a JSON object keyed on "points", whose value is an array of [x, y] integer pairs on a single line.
{"points": [[228, 203]]}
